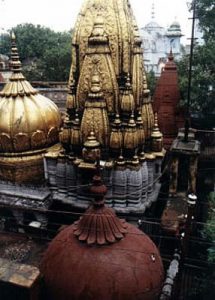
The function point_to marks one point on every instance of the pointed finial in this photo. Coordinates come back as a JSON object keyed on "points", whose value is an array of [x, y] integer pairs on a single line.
{"points": [[156, 120], [128, 81], [156, 131], [16, 65], [171, 57], [139, 118], [132, 122], [13, 37], [96, 232], [117, 121], [98, 189], [121, 161], [135, 159], [91, 141], [153, 10]]}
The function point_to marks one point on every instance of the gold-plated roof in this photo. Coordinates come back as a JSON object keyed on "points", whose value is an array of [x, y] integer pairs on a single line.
{"points": [[28, 120], [107, 78]]}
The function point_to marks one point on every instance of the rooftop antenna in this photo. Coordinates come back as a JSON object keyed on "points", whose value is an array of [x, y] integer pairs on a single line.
{"points": [[187, 122]]}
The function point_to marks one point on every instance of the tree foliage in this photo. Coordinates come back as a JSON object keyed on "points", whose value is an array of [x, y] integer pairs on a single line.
{"points": [[151, 80], [46, 55], [203, 75], [206, 14]]}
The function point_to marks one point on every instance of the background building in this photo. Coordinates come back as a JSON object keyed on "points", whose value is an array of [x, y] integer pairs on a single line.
{"points": [[157, 42]]}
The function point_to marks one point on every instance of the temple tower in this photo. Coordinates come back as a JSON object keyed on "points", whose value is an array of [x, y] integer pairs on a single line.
{"points": [[109, 97]]}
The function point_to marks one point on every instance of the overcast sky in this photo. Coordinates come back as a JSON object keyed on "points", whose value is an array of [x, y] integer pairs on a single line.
{"points": [[60, 15]]}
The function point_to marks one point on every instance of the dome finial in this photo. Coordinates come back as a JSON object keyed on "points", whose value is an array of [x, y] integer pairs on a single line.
{"points": [[157, 137], [99, 225], [153, 10], [16, 65], [128, 81], [171, 57]]}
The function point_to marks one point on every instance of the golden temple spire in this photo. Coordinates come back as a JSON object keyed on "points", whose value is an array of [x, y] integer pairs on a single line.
{"points": [[110, 78]]}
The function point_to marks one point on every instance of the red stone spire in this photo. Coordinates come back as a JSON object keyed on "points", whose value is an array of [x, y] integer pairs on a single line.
{"points": [[166, 101]]}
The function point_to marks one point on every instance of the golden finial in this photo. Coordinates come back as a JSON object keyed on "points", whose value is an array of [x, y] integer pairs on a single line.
{"points": [[131, 135], [75, 131], [137, 38], [91, 151], [157, 137], [132, 122], [128, 82], [16, 65], [142, 156], [140, 127], [135, 160], [156, 131], [120, 161], [127, 102], [91, 141], [13, 37], [117, 122], [116, 137]]}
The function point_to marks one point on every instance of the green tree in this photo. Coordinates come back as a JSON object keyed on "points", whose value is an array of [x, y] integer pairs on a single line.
{"points": [[206, 14], [46, 55], [151, 80], [203, 75]]}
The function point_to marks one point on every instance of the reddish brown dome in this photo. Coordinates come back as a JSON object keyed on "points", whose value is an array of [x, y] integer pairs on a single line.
{"points": [[129, 269]]}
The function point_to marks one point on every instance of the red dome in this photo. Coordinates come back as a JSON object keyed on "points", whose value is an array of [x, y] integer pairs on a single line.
{"points": [[128, 269]]}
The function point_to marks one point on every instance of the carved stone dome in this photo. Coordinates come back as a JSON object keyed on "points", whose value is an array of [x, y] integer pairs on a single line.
{"points": [[29, 122], [102, 257]]}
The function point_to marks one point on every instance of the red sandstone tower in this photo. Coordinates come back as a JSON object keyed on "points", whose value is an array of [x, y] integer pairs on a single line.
{"points": [[166, 102]]}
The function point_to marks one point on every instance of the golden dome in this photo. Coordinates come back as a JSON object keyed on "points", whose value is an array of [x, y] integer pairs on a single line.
{"points": [[29, 124], [28, 120]]}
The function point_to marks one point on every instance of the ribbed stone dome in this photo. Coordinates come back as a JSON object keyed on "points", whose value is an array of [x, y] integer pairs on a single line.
{"points": [[102, 258]]}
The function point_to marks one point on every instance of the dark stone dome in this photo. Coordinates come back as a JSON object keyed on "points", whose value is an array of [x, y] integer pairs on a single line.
{"points": [[128, 269]]}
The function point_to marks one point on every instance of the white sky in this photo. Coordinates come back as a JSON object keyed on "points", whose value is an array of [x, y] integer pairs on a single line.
{"points": [[60, 15]]}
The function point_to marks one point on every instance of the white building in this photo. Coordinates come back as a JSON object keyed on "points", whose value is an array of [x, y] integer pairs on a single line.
{"points": [[157, 42]]}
